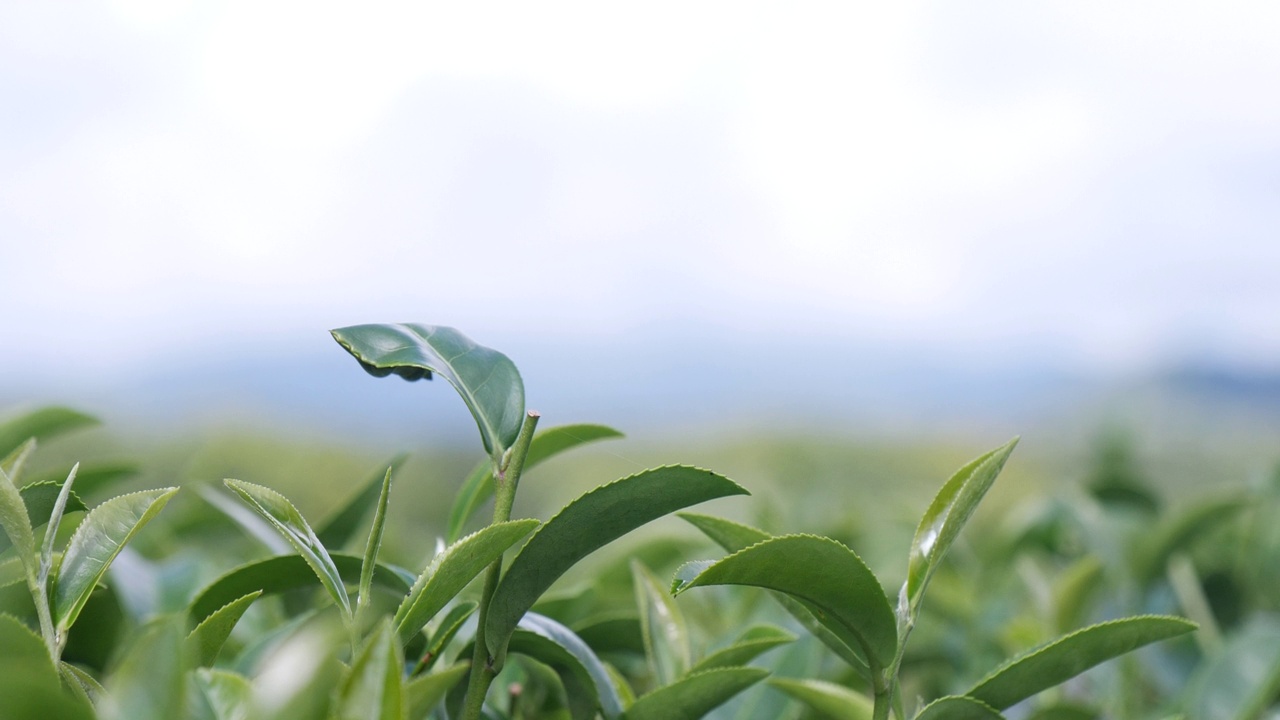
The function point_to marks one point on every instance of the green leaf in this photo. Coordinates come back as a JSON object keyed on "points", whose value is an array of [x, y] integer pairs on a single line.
{"points": [[452, 570], [587, 524], [298, 678], [582, 673], [1066, 711], [827, 699], [286, 519], [14, 464], [210, 635], [39, 499], [947, 514], [733, 537], [693, 696], [228, 694], [1079, 582], [372, 547], [372, 689], [617, 631], [487, 380], [287, 572], [827, 577], [478, 487], [16, 523], [82, 684], [92, 478], [424, 692], [55, 520], [95, 543], [1242, 680], [958, 708], [1173, 536], [666, 636], [43, 424], [249, 520], [150, 682], [336, 531], [753, 643], [30, 688], [1066, 657], [448, 627]]}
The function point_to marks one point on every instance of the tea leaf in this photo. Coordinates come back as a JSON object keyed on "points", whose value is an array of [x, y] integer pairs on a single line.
{"points": [[827, 577], [487, 380], [662, 625], [340, 527], [30, 688], [95, 543], [753, 643], [91, 479], [449, 626], [43, 424], [1240, 682], [40, 499], [478, 487], [1174, 535], [827, 699], [587, 524], [424, 692], [16, 523], [150, 682], [14, 464], [286, 519], [549, 642], [375, 543], [211, 634], [452, 570], [947, 514], [372, 689], [958, 708], [228, 694], [1066, 657], [694, 696]]}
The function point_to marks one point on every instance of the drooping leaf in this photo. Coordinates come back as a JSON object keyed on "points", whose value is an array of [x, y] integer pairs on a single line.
{"points": [[372, 689], [249, 520], [693, 696], [91, 479], [287, 572], [478, 487], [30, 688], [16, 524], [1066, 657], [750, 645], [487, 380], [452, 570], [1243, 679], [555, 645], [150, 682], [958, 708], [827, 699], [666, 635], [374, 544], [95, 543], [947, 514], [228, 694], [827, 577], [588, 523], [43, 424], [211, 634], [336, 531], [424, 692], [286, 519]]}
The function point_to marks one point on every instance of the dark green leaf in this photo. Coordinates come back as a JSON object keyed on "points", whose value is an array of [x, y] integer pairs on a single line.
{"points": [[958, 708], [748, 647], [695, 695], [549, 642], [452, 570], [43, 424], [40, 498], [424, 692], [211, 634], [1066, 657], [487, 380], [827, 577], [666, 636], [827, 699], [372, 689], [338, 530], [95, 543], [588, 523], [82, 684], [91, 479]]}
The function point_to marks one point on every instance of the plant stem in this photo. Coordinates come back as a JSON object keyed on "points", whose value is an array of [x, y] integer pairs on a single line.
{"points": [[51, 639], [505, 481]]}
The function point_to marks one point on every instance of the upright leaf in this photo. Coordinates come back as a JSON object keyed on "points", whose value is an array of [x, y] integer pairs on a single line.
{"points": [[339, 528], [588, 523], [1243, 680], [372, 689], [446, 629], [150, 682], [286, 519], [95, 543], [16, 461], [750, 645], [43, 423], [827, 699], [39, 499], [695, 695], [947, 514], [1066, 657], [30, 688], [487, 380], [374, 545], [666, 637], [55, 520], [17, 526], [207, 639]]}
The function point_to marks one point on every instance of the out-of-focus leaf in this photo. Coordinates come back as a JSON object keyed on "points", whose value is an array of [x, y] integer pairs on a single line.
{"points": [[449, 626], [374, 544], [17, 526], [487, 380], [424, 692], [958, 708], [947, 514], [478, 487], [827, 699], [452, 570], [286, 519], [1240, 682], [693, 696], [42, 424], [287, 572], [15, 462], [30, 688], [549, 642], [210, 635], [297, 678], [91, 479], [666, 635], [249, 520], [1066, 657], [372, 689], [1072, 592], [150, 682], [1174, 535], [588, 523], [338, 529], [95, 543], [1064, 711], [750, 645], [827, 577], [228, 694]]}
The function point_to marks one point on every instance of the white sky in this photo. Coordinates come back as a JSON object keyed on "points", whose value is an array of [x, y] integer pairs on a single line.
{"points": [[1095, 183]]}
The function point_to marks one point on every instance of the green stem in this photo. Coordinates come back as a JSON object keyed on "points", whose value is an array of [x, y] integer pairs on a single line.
{"points": [[51, 639], [506, 479]]}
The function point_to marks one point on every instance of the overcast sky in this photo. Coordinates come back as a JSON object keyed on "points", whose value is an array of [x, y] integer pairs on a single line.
{"points": [[1095, 183]]}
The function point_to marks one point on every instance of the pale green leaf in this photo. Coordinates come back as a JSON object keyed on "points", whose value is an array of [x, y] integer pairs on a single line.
{"points": [[750, 645], [693, 696], [16, 524], [662, 625], [30, 687], [958, 708], [15, 463], [827, 699], [1243, 679], [150, 682], [91, 479], [372, 689], [43, 424], [446, 629], [228, 694], [40, 497], [211, 634], [424, 692], [341, 526]]}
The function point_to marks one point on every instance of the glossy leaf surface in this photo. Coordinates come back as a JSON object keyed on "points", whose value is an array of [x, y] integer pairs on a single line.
{"points": [[587, 524], [286, 519], [947, 514], [210, 635], [958, 708], [827, 699], [95, 543], [695, 695], [336, 531], [824, 575], [487, 380], [372, 689], [753, 643], [549, 642], [1066, 657], [43, 423], [452, 570]]}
